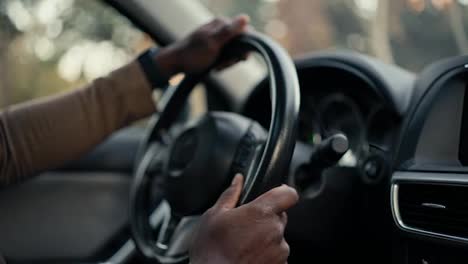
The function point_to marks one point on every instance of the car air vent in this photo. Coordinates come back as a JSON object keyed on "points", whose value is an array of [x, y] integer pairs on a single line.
{"points": [[438, 209]]}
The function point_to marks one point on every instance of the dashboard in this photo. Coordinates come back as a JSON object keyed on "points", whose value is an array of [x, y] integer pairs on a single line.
{"points": [[380, 162], [337, 101], [350, 94], [344, 95]]}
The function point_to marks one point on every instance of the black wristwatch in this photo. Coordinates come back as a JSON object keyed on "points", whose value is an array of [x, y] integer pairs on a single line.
{"points": [[151, 69]]}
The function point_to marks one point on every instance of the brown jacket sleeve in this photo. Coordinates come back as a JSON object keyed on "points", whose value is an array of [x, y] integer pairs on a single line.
{"points": [[46, 133]]}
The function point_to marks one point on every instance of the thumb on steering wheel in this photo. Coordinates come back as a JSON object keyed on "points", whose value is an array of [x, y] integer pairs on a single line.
{"points": [[230, 197]]}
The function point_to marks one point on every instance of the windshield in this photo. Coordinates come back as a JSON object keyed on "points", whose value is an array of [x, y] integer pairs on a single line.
{"points": [[409, 33]]}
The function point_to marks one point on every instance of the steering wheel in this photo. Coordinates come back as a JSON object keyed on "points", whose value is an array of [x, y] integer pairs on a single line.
{"points": [[199, 163]]}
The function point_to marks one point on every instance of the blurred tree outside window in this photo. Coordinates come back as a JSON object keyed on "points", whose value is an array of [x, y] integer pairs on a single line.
{"points": [[409, 33], [47, 46]]}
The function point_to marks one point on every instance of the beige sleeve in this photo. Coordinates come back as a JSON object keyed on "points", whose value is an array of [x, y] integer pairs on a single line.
{"points": [[46, 133]]}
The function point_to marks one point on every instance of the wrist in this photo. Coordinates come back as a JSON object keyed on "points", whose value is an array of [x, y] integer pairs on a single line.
{"points": [[168, 62]]}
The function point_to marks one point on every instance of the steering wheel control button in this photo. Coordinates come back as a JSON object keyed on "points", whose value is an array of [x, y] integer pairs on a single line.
{"points": [[247, 149], [244, 153]]}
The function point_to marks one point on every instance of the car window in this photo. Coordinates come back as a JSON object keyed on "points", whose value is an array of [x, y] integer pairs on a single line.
{"points": [[48, 46]]}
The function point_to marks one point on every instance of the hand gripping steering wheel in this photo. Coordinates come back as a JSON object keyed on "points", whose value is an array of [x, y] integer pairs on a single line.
{"points": [[204, 156]]}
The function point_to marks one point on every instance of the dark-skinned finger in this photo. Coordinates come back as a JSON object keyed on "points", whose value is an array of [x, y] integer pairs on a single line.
{"points": [[285, 252], [230, 197], [229, 63], [231, 30], [278, 199], [284, 218], [226, 64], [219, 24]]}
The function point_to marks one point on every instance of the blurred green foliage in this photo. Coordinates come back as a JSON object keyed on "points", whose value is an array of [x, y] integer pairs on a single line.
{"points": [[47, 46]]}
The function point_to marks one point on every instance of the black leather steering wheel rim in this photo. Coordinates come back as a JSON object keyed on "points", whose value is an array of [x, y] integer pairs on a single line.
{"points": [[271, 169]]}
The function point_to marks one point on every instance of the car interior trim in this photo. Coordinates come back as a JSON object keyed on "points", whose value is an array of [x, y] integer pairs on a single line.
{"points": [[423, 178], [391, 83]]}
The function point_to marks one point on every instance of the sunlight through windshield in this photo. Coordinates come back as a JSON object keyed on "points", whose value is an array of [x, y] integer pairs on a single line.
{"points": [[409, 33]]}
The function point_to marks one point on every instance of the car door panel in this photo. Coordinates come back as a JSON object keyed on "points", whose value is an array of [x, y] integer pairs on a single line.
{"points": [[77, 213], [68, 216]]}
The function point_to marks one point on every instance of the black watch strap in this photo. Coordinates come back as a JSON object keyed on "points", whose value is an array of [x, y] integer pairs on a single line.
{"points": [[151, 69]]}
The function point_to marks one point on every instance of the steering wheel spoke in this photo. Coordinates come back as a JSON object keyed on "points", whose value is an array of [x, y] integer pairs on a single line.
{"points": [[250, 171], [173, 233]]}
